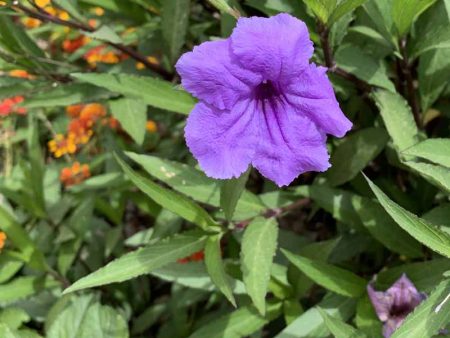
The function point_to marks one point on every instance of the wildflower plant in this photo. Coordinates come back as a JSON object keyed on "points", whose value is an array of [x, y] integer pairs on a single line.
{"points": [[224, 168]]}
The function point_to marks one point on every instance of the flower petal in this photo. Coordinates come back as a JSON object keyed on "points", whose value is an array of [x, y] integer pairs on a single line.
{"points": [[211, 74], [381, 301], [405, 294], [223, 142], [311, 92], [289, 144], [273, 47]]}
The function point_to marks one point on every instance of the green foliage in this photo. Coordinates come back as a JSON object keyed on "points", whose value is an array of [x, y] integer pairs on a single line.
{"points": [[109, 228]]}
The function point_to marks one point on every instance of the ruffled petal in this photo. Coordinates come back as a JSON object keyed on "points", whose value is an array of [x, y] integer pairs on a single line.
{"points": [[382, 302], [223, 142], [312, 94], [211, 74], [273, 47], [289, 144]]}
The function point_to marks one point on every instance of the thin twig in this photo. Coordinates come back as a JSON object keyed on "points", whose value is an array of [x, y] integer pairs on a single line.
{"points": [[47, 17]]}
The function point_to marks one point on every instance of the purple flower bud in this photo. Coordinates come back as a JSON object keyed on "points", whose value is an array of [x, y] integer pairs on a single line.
{"points": [[393, 305], [262, 102]]}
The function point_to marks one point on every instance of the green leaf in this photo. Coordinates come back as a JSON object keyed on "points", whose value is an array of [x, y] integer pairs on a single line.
{"points": [[215, 268], [152, 91], [437, 39], [322, 9], [355, 61], [344, 7], [338, 328], [23, 287], [175, 20], [132, 115], [335, 279], [84, 317], [398, 118], [311, 324], [436, 174], [17, 235], [240, 323], [171, 200], [259, 245], [435, 150], [429, 317], [405, 12], [64, 95], [105, 33], [142, 261], [424, 232], [194, 183], [354, 154], [231, 192]]}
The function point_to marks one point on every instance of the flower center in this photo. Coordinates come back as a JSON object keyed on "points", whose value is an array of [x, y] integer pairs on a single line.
{"points": [[266, 90]]}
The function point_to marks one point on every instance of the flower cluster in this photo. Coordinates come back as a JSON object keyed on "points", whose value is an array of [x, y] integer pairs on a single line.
{"points": [[103, 54], [195, 257], [72, 45], [45, 6], [75, 174], [2, 240], [262, 102], [9, 106], [79, 130]]}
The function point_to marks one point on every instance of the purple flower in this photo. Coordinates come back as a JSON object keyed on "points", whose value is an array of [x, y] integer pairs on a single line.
{"points": [[261, 102], [393, 305]]}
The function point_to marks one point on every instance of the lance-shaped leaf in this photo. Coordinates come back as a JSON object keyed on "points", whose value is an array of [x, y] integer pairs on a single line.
{"points": [[142, 261], [335, 279], [230, 193], [215, 268], [436, 150], [171, 200], [425, 232], [258, 249], [338, 328]]}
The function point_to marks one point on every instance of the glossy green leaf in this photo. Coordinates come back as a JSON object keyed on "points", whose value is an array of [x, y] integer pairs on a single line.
{"points": [[175, 19], [142, 261], [338, 328], [404, 12], [132, 115], [435, 150], [354, 154], [23, 287], [215, 267], [436, 174], [230, 193], [335, 279], [195, 184], [152, 91], [344, 7], [105, 33], [170, 200], [398, 118], [421, 230], [322, 9], [258, 249]]}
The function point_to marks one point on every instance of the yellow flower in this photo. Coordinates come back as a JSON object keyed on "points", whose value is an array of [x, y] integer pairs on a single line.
{"points": [[42, 3], [31, 22], [61, 145], [153, 60], [98, 11]]}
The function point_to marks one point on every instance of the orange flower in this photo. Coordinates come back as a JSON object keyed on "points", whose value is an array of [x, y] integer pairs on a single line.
{"points": [[79, 131], [31, 22], [75, 174], [63, 15], [62, 145], [98, 11], [20, 73], [8, 106], [74, 110], [195, 257], [2, 240], [92, 112], [73, 45], [151, 126], [102, 55]]}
